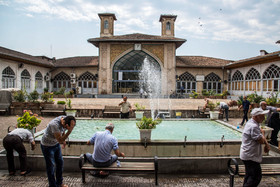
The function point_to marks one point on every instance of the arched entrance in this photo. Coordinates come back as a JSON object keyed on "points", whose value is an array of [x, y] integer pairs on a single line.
{"points": [[126, 72]]}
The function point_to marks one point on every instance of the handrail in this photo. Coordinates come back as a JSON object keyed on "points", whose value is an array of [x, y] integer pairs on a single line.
{"points": [[156, 169], [232, 171]]}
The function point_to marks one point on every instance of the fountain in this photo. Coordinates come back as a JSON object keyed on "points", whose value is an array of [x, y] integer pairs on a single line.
{"points": [[151, 75]]}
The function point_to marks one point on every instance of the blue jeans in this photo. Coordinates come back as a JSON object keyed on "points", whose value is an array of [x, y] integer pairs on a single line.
{"points": [[113, 159], [53, 158]]}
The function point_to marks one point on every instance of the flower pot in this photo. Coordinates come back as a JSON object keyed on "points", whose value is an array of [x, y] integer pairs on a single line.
{"points": [[70, 112], [145, 133], [267, 132], [214, 115], [139, 114]]}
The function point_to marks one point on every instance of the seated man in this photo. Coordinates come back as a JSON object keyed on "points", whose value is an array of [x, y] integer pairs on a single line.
{"points": [[104, 142]]}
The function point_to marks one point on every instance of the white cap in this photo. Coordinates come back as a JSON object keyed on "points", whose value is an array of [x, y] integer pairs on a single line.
{"points": [[258, 111]]}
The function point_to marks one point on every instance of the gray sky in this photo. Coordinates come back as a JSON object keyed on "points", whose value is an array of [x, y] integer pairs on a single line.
{"points": [[227, 29]]}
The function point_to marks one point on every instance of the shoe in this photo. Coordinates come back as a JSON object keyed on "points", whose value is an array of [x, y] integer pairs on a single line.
{"points": [[100, 174], [12, 173], [26, 172]]}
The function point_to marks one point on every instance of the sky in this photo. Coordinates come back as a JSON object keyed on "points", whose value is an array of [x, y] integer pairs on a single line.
{"points": [[226, 29]]}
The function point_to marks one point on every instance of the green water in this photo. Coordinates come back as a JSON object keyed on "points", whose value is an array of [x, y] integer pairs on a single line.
{"points": [[167, 130]]}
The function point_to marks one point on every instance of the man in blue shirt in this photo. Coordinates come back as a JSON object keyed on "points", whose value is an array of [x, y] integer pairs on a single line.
{"points": [[246, 108], [104, 142]]}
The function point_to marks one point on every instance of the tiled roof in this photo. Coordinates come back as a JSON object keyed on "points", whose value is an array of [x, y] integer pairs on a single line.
{"points": [[80, 61], [254, 59], [200, 61], [22, 57], [137, 37]]}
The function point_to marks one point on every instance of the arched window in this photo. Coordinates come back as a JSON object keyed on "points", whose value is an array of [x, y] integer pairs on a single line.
{"points": [[61, 80], [187, 82], [212, 82], [127, 77], [39, 80], [253, 80], [25, 80], [237, 81], [168, 26], [87, 81], [271, 78], [8, 78], [106, 24]]}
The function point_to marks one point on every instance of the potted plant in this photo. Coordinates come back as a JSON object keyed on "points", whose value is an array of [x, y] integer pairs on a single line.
{"points": [[70, 111], [47, 98], [19, 98], [139, 110], [214, 115], [145, 126], [28, 121], [272, 99], [33, 100]]}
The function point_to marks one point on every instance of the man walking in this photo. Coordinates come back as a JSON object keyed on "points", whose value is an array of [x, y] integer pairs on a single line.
{"points": [[125, 108], [251, 149], [246, 108], [13, 141], [104, 142], [50, 144]]}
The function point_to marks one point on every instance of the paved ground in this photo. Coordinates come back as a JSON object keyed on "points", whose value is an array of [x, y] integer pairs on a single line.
{"points": [[124, 180], [74, 179]]}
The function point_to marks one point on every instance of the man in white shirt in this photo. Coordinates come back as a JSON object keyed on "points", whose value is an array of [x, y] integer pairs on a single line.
{"points": [[125, 108], [251, 149], [13, 141]]}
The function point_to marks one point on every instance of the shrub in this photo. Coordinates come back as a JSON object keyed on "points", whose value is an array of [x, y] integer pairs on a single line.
{"points": [[255, 98], [148, 123], [61, 102], [28, 120], [205, 92], [47, 97], [139, 107], [33, 96], [20, 96], [272, 99], [194, 94]]}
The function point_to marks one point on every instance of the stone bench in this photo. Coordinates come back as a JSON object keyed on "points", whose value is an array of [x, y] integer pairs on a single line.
{"points": [[53, 108], [111, 110]]}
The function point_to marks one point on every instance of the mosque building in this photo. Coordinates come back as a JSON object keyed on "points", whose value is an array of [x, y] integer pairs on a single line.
{"points": [[116, 70]]}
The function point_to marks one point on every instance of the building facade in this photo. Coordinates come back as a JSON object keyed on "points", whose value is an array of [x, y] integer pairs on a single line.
{"points": [[117, 69]]}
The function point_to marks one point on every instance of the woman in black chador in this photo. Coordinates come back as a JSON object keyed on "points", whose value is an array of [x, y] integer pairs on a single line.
{"points": [[274, 123]]}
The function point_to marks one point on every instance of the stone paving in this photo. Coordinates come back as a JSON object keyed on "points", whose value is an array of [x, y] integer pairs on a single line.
{"points": [[126, 180], [115, 179]]}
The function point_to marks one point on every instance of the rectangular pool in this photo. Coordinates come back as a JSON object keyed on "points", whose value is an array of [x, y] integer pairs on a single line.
{"points": [[167, 130]]}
